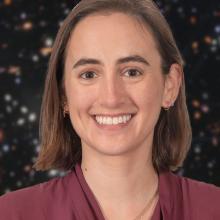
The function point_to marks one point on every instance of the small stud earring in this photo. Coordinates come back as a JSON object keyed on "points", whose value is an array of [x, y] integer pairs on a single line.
{"points": [[167, 108], [65, 111]]}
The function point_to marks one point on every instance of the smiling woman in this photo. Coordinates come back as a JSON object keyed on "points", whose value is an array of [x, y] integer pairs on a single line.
{"points": [[114, 114]]}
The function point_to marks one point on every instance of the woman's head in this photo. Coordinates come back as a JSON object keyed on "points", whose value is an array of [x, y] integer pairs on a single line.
{"points": [[109, 30]]}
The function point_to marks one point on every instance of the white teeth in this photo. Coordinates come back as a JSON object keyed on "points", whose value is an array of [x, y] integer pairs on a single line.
{"points": [[113, 120]]}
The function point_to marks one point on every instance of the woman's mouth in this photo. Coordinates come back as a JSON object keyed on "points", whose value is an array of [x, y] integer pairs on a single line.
{"points": [[112, 122]]}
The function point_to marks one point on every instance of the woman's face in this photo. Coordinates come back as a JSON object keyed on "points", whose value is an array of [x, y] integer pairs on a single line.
{"points": [[115, 95]]}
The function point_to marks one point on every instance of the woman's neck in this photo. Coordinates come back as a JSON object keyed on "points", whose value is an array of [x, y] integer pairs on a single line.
{"points": [[124, 183]]}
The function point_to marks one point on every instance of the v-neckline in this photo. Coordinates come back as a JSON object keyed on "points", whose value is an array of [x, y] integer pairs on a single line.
{"points": [[94, 203]]}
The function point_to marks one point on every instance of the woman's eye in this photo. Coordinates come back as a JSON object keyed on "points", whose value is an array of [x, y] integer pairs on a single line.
{"points": [[91, 75], [133, 73], [88, 75]]}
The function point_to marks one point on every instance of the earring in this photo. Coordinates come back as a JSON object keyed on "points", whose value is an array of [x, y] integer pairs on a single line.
{"points": [[167, 108], [65, 111]]}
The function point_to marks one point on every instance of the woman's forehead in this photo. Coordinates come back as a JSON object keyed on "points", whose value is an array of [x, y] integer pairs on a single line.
{"points": [[116, 35]]}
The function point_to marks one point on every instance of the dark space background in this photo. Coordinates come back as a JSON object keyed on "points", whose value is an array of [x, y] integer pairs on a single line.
{"points": [[27, 32]]}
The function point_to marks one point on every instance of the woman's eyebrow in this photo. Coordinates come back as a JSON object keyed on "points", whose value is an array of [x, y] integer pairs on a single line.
{"points": [[132, 58]]}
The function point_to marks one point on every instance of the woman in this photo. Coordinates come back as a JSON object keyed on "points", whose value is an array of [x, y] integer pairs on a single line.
{"points": [[114, 114]]}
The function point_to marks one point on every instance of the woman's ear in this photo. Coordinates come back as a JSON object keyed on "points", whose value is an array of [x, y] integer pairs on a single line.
{"points": [[65, 108], [64, 103], [173, 81]]}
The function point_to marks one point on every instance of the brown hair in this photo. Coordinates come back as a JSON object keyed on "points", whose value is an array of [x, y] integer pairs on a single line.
{"points": [[60, 145]]}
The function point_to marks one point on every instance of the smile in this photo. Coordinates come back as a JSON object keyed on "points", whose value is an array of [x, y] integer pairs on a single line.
{"points": [[112, 123], [107, 120]]}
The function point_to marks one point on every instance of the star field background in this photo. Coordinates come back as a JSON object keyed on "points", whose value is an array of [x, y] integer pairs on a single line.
{"points": [[27, 32]]}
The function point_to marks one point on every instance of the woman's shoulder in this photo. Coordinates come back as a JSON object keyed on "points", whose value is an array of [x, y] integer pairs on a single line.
{"points": [[200, 197], [34, 200], [37, 190], [198, 188]]}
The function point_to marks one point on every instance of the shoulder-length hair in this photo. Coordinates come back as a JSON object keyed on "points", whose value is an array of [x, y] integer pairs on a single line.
{"points": [[60, 144]]}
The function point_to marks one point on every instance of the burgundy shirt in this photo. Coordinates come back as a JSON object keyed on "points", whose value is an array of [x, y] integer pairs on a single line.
{"points": [[70, 198]]}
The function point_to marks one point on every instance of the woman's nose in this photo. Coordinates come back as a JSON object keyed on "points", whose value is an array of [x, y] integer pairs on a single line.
{"points": [[112, 92]]}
